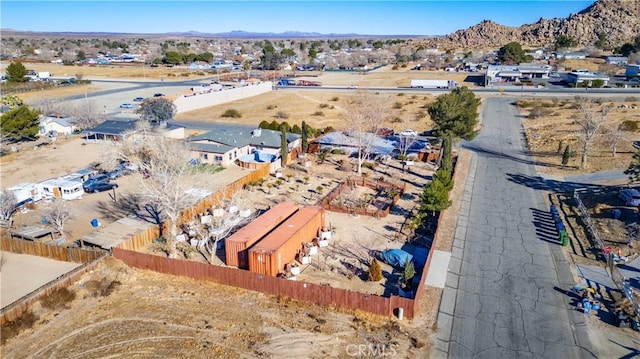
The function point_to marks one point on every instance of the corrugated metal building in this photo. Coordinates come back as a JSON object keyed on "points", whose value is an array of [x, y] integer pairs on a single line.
{"points": [[273, 252], [236, 245]]}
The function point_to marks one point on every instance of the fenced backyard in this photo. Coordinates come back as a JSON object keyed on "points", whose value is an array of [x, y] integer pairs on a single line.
{"points": [[386, 195]]}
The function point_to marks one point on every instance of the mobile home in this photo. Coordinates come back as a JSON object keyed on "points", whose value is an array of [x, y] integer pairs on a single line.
{"points": [[61, 188], [26, 193]]}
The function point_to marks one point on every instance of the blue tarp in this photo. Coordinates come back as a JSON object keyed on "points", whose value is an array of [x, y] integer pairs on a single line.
{"points": [[396, 257]]}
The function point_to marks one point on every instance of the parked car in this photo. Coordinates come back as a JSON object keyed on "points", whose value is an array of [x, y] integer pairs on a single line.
{"points": [[99, 178], [408, 132], [384, 131], [353, 87], [158, 94], [630, 196], [138, 99], [126, 105], [100, 187], [116, 173]]}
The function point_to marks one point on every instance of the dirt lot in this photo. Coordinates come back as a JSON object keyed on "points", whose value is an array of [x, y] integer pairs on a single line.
{"points": [[119, 311], [548, 134]]}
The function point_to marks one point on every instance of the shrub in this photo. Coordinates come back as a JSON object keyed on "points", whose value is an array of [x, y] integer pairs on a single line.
{"points": [[324, 105], [629, 125], [318, 113], [271, 107], [282, 115], [232, 112], [336, 151], [335, 98], [421, 115], [400, 94], [58, 299], [397, 120], [14, 327], [630, 99], [395, 67], [375, 271]]}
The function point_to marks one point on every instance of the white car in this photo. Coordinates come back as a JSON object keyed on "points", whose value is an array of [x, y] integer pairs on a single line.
{"points": [[126, 105], [408, 132]]}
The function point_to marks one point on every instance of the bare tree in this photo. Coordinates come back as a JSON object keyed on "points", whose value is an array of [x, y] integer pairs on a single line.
{"points": [[230, 214], [363, 115], [8, 202], [616, 133], [169, 177], [57, 215], [591, 116], [404, 144], [85, 113]]}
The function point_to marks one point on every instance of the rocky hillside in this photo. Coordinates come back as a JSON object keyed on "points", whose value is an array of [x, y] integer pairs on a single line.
{"points": [[618, 19]]}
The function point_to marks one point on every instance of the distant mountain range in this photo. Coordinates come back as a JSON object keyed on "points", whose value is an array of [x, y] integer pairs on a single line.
{"points": [[618, 20], [237, 34]]}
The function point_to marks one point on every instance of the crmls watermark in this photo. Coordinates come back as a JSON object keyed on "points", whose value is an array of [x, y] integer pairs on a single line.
{"points": [[371, 350]]}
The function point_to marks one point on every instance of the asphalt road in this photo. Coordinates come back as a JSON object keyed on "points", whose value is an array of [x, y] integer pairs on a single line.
{"points": [[509, 266]]}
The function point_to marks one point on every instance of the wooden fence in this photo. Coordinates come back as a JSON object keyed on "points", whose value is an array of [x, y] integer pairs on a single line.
{"points": [[143, 239], [67, 254], [307, 292], [20, 306], [376, 185]]}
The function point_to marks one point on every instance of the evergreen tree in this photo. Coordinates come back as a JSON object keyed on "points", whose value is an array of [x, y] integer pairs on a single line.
{"points": [[375, 271], [447, 161], [408, 273], [435, 197], [284, 147], [444, 176], [157, 110], [513, 53], [264, 124], [304, 137], [633, 171], [566, 155], [456, 113], [20, 123], [16, 72]]}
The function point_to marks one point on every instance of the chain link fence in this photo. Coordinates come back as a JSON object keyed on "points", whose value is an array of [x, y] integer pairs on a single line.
{"points": [[618, 278]]}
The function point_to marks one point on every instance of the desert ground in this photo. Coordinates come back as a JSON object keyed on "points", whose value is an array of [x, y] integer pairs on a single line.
{"points": [[103, 320]]}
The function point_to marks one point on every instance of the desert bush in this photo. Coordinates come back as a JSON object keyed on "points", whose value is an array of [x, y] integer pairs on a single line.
{"points": [[335, 99], [395, 67], [323, 105], [58, 299], [281, 115], [318, 113], [629, 125], [397, 105], [400, 94], [414, 97], [14, 327], [630, 99], [421, 115], [232, 113], [337, 151], [271, 107], [375, 271], [397, 120], [539, 111]]}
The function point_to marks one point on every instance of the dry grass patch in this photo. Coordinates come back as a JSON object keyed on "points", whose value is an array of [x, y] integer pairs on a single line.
{"points": [[549, 128]]}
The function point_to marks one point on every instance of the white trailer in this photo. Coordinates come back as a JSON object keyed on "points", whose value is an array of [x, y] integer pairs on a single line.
{"points": [[26, 193], [44, 76], [434, 84]]}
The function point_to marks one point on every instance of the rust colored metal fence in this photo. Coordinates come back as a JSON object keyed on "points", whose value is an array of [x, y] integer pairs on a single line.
{"points": [[66, 254], [20, 306], [307, 292]]}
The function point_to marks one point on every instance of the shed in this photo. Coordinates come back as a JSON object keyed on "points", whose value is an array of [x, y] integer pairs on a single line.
{"points": [[32, 233], [280, 247], [116, 233], [237, 245]]}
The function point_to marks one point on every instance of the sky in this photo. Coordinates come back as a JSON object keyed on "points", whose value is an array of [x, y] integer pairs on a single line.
{"points": [[326, 17]]}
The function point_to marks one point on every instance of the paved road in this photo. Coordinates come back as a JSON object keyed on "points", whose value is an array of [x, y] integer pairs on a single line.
{"points": [[506, 270]]}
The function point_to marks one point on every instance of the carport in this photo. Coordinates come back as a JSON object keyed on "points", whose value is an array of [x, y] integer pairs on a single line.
{"points": [[32, 233]]}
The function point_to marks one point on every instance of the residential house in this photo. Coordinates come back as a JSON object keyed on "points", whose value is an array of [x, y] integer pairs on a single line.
{"points": [[228, 143], [515, 73], [56, 125], [117, 129], [569, 55], [617, 60], [576, 77]]}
